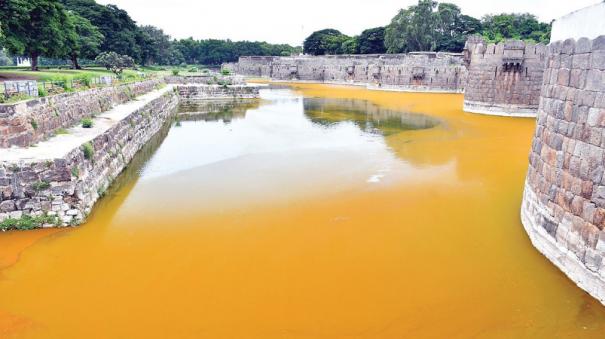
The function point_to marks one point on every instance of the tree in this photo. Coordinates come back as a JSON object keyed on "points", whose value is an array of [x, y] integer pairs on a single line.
{"points": [[453, 27], [121, 34], [325, 41], [155, 45], [412, 29], [85, 39], [350, 46], [35, 28], [515, 26], [371, 41], [114, 62]]}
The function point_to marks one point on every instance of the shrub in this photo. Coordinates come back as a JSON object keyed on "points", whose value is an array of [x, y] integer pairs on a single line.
{"points": [[193, 70], [34, 124], [41, 185], [175, 72], [87, 123], [225, 71], [88, 150], [27, 222]]}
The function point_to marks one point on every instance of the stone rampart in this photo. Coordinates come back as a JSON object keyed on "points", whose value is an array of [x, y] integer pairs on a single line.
{"points": [[505, 78], [563, 207], [28, 122], [422, 71], [68, 187]]}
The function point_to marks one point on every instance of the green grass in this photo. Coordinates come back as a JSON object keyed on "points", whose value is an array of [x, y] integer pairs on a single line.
{"points": [[87, 123], [28, 222], [88, 150]]}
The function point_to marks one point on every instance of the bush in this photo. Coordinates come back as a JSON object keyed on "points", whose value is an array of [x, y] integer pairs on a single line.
{"points": [[28, 222], [88, 150], [225, 71], [193, 70], [87, 123], [175, 72]]}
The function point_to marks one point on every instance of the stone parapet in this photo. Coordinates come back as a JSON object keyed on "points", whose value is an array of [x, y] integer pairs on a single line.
{"points": [[505, 78], [421, 71], [563, 207], [28, 122], [192, 93]]}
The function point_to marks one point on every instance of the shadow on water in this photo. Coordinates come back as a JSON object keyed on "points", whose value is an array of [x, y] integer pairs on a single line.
{"points": [[368, 116]]}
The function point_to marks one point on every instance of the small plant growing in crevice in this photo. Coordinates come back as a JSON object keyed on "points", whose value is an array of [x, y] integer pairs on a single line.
{"points": [[41, 185], [88, 150], [87, 123], [75, 172], [27, 222], [34, 124]]}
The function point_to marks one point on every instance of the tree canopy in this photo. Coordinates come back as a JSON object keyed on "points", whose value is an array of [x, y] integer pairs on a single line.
{"points": [[428, 26]]}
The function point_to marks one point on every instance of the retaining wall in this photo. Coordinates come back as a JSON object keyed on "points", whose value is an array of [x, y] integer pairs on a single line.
{"points": [[422, 71], [69, 186], [563, 208], [505, 78], [192, 93], [27, 122]]}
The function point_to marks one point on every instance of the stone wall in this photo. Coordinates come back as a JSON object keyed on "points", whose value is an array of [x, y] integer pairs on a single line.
{"points": [[210, 79], [584, 23], [504, 78], [422, 71], [563, 207], [69, 186], [27, 122], [192, 93]]}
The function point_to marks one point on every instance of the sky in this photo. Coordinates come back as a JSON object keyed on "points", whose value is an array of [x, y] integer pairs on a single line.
{"points": [[283, 21]]}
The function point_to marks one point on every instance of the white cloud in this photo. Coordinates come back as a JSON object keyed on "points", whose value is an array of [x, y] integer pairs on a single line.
{"points": [[283, 21]]}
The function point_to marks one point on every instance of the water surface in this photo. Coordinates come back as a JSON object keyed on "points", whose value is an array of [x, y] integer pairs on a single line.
{"points": [[318, 212]]}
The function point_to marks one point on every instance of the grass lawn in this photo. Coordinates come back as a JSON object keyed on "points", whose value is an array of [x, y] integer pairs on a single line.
{"points": [[67, 74]]}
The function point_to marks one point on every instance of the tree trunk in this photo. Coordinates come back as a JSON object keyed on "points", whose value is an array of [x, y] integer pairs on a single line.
{"points": [[74, 61], [34, 59]]}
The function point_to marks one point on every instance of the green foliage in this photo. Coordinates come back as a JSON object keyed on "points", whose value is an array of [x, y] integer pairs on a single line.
{"points": [[175, 72], [87, 123], [35, 28], [88, 150], [75, 172], [28, 222], [61, 131], [515, 26], [40, 186], [14, 98], [371, 41], [84, 40], [34, 124], [225, 71], [325, 41], [120, 32]]}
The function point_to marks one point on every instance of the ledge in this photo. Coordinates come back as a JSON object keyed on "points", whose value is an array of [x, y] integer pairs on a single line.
{"points": [[517, 111]]}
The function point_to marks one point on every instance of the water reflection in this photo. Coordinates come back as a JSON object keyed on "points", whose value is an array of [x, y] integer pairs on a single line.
{"points": [[367, 115], [215, 110]]}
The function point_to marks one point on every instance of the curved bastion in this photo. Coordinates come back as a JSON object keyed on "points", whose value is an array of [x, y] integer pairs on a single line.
{"points": [[563, 208], [504, 78]]}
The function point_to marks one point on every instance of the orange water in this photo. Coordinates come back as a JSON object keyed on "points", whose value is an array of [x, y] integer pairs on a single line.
{"points": [[299, 242]]}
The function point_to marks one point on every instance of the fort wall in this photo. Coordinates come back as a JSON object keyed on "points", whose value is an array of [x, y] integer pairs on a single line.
{"points": [[422, 71], [504, 78], [563, 208]]}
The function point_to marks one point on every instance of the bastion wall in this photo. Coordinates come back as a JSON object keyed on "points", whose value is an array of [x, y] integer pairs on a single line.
{"points": [[504, 78], [563, 208], [422, 71]]}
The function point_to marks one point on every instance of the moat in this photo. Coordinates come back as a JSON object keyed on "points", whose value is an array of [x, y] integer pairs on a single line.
{"points": [[316, 212]]}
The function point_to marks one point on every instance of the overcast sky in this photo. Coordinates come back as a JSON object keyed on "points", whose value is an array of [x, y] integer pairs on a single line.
{"points": [[284, 21]]}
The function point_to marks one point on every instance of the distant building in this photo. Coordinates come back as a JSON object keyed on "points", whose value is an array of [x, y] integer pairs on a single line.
{"points": [[23, 62]]}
